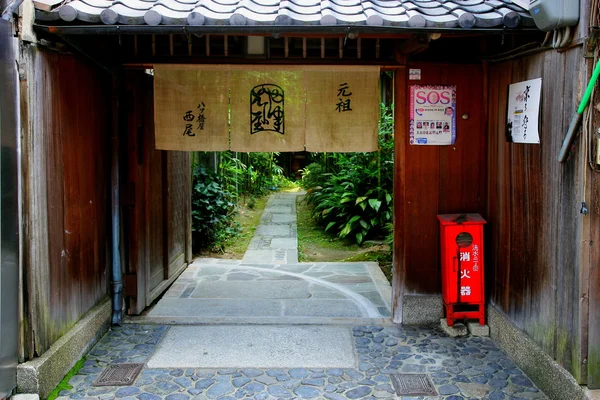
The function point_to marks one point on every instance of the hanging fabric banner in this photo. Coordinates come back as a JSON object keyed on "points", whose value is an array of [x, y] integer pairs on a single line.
{"points": [[191, 107], [267, 108], [342, 108]]}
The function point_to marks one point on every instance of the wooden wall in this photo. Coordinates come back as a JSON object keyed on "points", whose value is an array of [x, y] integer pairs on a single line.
{"points": [[535, 238], [157, 200], [65, 191], [433, 180]]}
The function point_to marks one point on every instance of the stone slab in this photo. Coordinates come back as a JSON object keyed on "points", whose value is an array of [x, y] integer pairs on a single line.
{"points": [[284, 243], [253, 290], [420, 310], [478, 330], [555, 381], [25, 397], [321, 308], [258, 257], [278, 209], [255, 347], [42, 374], [456, 330], [216, 308], [273, 230], [283, 218]]}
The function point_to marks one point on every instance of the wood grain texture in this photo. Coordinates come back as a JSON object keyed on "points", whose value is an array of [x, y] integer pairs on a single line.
{"points": [[158, 196], [65, 205], [535, 229], [443, 179], [400, 143]]}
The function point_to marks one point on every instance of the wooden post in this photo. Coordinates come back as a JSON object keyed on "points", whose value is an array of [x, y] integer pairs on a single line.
{"points": [[591, 266], [400, 140]]}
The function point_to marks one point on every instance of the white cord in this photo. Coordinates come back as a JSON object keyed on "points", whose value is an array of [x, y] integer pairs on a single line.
{"points": [[566, 37]]}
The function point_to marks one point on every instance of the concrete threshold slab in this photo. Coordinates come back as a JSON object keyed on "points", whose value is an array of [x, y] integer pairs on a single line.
{"points": [[245, 320], [255, 347]]}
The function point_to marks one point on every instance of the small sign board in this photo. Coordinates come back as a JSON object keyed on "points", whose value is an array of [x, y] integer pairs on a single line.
{"points": [[432, 115], [523, 111]]}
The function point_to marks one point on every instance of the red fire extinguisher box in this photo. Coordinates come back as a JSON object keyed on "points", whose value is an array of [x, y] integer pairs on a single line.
{"points": [[461, 239]]}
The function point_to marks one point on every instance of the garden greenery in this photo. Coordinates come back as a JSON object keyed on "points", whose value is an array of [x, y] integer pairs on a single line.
{"points": [[351, 193], [235, 179]]}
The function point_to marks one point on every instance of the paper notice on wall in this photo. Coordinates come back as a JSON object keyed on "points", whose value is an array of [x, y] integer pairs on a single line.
{"points": [[267, 108], [432, 115], [523, 111], [190, 107], [342, 108]]}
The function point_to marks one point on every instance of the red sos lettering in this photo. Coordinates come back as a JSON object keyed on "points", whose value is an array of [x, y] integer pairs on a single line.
{"points": [[441, 97]]}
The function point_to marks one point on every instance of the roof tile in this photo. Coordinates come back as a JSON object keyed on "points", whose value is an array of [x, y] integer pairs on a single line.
{"points": [[406, 13]]}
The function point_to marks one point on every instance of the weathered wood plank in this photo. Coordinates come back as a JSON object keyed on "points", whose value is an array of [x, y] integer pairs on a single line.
{"points": [[400, 144], [533, 209], [64, 181]]}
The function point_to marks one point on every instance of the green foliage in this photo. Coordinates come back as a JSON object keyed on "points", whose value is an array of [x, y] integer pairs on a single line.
{"points": [[239, 178], [212, 208], [64, 383], [351, 193], [250, 174]]}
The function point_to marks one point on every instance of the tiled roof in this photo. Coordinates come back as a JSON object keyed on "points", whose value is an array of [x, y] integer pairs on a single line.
{"points": [[401, 13]]}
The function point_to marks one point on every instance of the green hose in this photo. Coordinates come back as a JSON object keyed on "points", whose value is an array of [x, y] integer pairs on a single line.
{"points": [[588, 91], [576, 120]]}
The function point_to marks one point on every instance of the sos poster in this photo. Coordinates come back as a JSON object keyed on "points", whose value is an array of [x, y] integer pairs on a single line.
{"points": [[432, 115]]}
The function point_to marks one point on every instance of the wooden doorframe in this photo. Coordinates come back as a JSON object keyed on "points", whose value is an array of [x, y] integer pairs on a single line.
{"points": [[137, 140], [399, 248]]}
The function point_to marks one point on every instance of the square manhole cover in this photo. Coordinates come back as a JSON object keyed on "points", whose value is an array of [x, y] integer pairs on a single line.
{"points": [[413, 385], [119, 375]]}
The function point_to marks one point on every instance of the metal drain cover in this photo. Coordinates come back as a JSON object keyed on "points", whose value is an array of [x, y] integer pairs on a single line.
{"points": [[119, 375], [413, 385]]}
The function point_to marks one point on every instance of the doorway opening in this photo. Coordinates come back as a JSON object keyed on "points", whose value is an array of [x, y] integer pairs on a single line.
{"points": [[318, 245]]}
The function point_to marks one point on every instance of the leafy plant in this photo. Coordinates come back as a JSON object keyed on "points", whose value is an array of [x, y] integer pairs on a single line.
{"points": [[212, 208], [352, 194]]}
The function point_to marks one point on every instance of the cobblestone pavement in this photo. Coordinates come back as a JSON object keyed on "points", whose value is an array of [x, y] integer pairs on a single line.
{"points": [[465, 368]]}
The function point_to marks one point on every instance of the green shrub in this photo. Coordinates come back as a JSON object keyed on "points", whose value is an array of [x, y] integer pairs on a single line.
{"points": [[351, 193], [212, 208]]}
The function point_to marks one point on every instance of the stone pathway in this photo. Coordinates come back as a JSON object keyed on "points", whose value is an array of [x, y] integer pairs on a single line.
{"points": [[467, 368], [269, 285], [318, 331], [275, 240]]}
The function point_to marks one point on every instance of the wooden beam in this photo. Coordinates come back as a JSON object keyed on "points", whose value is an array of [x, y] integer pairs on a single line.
{"points": [[286, 45], [189, 40], [377, 48], [322, 47], [400, 141], [341, 47], [303, 47], [171, 52], [226, 45], [135, 46], [207, 45], [153, 45], [358, 48]]}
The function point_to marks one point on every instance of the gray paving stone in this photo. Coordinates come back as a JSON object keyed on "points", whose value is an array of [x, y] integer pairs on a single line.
{"points": [[307, 392], [284, 243], [255, 290], [283, 218], [254, 346], [321, 308], [219, 389], [273, 230], [216, 308]]}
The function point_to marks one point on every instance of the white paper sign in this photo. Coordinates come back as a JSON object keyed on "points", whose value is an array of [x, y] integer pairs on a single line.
{"points": [[523, 111], [432, 115]]}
